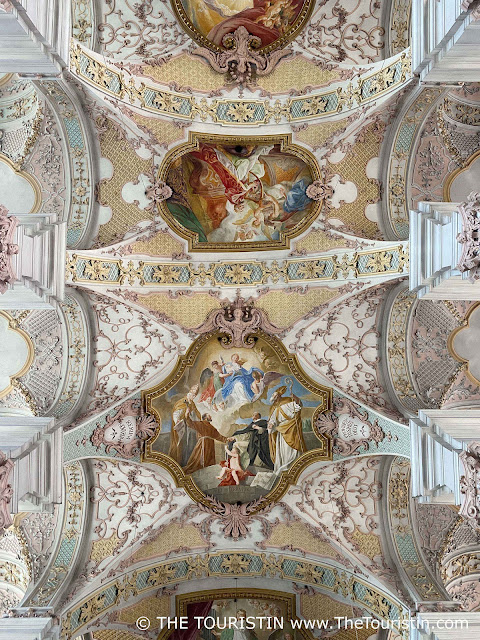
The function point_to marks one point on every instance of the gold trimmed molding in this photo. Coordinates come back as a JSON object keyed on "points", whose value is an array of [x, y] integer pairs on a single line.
{"points": [[5, 79], [236, 564], [104, 76], [288, 599], [465, 324], [349, 265], [451, 176], [279, 43], [26, 176], [13, 326]]}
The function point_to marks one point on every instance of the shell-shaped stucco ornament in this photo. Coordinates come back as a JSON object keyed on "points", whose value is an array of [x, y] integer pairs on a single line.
{"points": [[125, 430]]}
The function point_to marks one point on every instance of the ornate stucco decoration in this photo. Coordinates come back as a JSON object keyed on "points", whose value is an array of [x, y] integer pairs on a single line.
{"points": [[8, 225], [470, 482], [236, 564], [237, 321], [28, 183], [124, 431], [271, 28], [6, 467], [462, 343], [474, 6], [241, 61], [249, 273], [237, 379], [157, 192], [470, 238], [349, 427], [155, 98]]}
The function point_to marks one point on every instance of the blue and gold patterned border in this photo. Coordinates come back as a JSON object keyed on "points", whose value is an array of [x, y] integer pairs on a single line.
{"points": [[364, 89]]}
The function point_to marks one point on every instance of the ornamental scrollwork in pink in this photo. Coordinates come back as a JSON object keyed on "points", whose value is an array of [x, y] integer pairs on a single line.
{"points": [[125, 430], [470, 482], [6, 492]]}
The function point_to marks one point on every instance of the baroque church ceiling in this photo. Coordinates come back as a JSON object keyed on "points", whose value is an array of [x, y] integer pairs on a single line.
{"points": [[213, 354]]}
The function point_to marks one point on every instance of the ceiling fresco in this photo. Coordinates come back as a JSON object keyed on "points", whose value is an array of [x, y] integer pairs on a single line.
{"points": [[222, 393], [269, 24], [241, 193], [240, 422]]}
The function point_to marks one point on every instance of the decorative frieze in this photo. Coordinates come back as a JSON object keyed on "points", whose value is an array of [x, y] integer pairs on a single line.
{"points": [[105, 77], [386, 260]]}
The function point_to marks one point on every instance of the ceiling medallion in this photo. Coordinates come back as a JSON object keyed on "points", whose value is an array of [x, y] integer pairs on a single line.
{"points": [[237, 417], [239, 193]]}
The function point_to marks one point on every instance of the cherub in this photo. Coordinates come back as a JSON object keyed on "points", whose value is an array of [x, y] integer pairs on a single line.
{"points": [[232, 471], [257, 384]]}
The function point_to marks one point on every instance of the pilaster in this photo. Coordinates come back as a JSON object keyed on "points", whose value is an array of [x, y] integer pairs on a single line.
{"points": [[438, 269], [35, 446], [37, 264], [439, 439]]}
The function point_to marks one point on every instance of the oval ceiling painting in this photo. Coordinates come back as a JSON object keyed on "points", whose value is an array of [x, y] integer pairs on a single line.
{"points": [[273, 23], [239, 193]]}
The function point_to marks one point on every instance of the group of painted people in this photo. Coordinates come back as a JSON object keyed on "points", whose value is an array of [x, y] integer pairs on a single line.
{"points": [[273, 444]]}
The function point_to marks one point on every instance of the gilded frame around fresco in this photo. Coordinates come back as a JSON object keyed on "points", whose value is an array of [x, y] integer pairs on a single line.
{"points": [[203, 41], [184, 599], [452, 176], [451, 340], [286, 144], [32, 181], [13, 326], [287, 478]]}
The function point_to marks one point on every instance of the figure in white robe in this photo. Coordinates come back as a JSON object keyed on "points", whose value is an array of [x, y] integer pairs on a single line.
{"points": [[285, 429]]}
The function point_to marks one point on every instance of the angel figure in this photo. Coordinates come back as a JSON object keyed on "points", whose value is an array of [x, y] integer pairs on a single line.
{"points": [[232, 471]]}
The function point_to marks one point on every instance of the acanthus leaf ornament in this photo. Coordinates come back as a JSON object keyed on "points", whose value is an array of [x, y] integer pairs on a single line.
{"points": [[241, 60], [6, 467], [349, 427], [470, 482], [237, 321], [319, 192], [157, 192]]}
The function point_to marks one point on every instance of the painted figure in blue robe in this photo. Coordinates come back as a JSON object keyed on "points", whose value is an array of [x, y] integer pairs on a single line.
{"points": [[240, 384]]}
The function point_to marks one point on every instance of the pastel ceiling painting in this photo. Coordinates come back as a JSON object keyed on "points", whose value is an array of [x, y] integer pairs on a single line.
{"points": [[239, 194], [271, 22], [237, 419]]}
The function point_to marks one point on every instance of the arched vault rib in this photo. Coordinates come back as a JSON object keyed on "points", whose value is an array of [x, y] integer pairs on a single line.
{"points": [[339, 527], [246, 564]]}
